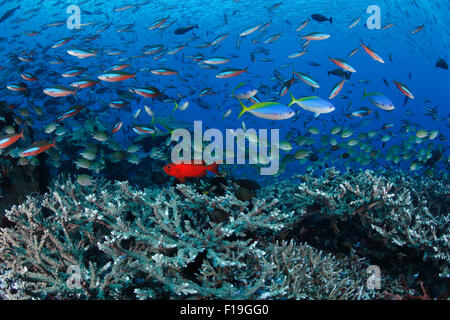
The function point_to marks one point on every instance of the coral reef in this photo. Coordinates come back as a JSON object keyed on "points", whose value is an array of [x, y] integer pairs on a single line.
{"points": [[399, 212], [18, 176], [113, 241]]}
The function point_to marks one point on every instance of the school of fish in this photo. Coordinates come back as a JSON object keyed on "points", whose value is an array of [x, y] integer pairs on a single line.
{"points": [[141, 70]]}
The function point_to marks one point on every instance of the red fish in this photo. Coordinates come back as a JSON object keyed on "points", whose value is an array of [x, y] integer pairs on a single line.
{"points": [[37, 148], [417, 29], [9, 139], [117, 127], [228, 73], [286, 86], [70, 113], [404, 89], [190, 170], [372, 53], [28, 77]]}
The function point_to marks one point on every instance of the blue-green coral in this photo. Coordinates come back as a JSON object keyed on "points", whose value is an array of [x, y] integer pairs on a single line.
{"points": [[177, 243]]}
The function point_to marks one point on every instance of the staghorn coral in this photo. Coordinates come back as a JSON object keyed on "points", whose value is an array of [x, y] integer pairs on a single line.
{"points": [[111, 240], [300, 271], [395, 209]]}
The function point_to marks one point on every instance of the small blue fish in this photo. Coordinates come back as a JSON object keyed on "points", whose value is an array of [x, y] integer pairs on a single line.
{"points": [[244, 91]]}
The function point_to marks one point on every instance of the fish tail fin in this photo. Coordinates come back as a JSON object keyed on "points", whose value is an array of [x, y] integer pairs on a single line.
{"points": [[214, 168], [244, 109], [21, 133], [293, 100], [176, 106], [53, 144], [365, 94], [75, 93], [331, 19], [181, 179]]}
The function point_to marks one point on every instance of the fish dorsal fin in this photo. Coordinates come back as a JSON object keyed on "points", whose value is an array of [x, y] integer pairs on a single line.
{"points": [[308, 98], [239, 85]]}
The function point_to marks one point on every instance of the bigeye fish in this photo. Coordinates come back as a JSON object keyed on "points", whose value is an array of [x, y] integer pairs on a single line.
{"points": [[314, 104], [379, 100], [268, 110]]}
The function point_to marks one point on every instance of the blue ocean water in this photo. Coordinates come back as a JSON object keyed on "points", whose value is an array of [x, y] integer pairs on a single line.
{"points": [[410, 55], [149, 70]]}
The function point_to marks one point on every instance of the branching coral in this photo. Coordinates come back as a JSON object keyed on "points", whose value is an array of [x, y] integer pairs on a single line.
{"points": [[123, 239], [112, 241], [395, 209]]}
